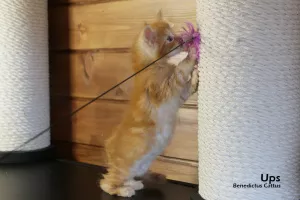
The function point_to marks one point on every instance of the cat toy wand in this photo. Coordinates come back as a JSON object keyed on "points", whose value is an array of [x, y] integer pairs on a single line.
{"points": [[189, 38]]}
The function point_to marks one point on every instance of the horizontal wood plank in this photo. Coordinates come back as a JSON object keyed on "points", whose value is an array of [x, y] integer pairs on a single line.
{"points": [[174, 169], [88, 74], [94, 124], [111, 25]]}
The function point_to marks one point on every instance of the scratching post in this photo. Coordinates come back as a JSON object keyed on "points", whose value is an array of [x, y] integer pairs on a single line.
{"points": [[249, 99], [24, 87]]}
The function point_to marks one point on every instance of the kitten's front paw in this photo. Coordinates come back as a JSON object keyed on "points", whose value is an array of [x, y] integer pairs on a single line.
{"points": [[194, 81], [193, 55], [195, 77]]}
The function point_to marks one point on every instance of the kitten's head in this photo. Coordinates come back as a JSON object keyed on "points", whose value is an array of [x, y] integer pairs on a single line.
{"points": [[158, 38]]}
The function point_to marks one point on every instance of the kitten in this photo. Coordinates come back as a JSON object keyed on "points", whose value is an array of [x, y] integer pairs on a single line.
{"points": [[158, 93]]}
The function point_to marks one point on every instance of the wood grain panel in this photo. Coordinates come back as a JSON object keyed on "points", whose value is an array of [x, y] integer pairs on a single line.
{"points": [[174, 169], [111, 25], [88, 74], [94, 124]]}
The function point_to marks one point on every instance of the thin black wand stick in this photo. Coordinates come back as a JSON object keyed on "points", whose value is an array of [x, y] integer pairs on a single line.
{"points": [[93, 100]]}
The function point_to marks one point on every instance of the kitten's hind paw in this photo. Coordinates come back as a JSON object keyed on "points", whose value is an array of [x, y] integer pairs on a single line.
{"points": [[123, 191], [137, 185], [126, 191], [107, 187]]}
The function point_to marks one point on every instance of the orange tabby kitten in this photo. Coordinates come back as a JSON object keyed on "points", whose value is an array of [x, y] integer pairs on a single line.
{"points": [[158, 93]]}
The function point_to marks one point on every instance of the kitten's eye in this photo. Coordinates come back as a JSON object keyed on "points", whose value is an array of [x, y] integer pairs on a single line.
{"points": [[170, 38]]}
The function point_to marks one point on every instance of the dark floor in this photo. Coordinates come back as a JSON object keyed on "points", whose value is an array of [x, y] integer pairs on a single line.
{"points": [[63, 180]]}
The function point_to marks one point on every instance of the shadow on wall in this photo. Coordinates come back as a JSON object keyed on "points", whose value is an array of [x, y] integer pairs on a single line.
{"points": [[79, 73], [60, 76]]}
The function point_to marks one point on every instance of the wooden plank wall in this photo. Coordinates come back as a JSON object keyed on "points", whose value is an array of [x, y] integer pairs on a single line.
{"points": [[90, 44]]}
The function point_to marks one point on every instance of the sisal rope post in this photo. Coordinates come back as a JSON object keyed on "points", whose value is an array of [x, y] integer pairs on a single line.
{"points": [[24, 85], [249, 99]]}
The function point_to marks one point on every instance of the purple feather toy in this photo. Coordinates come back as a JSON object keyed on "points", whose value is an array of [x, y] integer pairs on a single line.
{"points": [[193, 37]]}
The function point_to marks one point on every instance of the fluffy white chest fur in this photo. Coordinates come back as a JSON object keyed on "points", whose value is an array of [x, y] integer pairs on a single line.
{"points": [[166, 119]]}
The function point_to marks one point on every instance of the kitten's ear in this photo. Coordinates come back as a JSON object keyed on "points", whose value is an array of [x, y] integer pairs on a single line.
{"points": [[149, 34], [159, 15]]}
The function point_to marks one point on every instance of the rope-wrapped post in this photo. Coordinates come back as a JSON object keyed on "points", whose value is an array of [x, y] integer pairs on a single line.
{"points": [[249, 99], [24, 85]]}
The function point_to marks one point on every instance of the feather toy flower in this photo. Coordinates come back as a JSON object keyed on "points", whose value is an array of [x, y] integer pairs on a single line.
{"points": [[192, 38]]}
